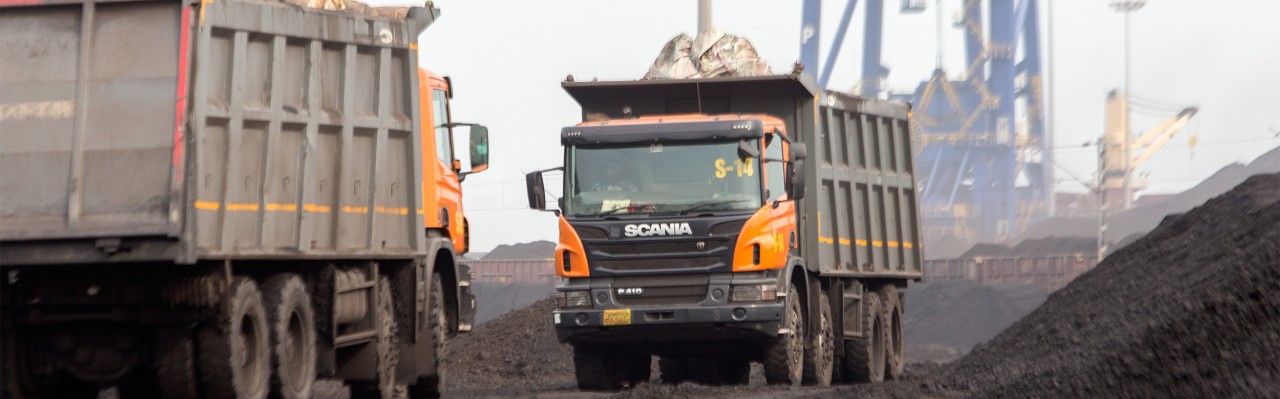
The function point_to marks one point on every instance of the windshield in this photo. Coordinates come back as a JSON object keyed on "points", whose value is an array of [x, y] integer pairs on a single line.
{"points": [[661, 179]]}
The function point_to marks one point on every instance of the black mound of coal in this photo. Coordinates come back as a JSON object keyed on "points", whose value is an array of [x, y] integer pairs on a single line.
{"points": [[510, 354], [959, 314], [1190, 310], [528, 250], [493, 299]]}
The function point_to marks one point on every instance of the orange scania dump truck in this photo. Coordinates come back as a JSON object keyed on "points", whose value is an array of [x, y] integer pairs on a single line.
{"points": [[226, 199], [719, 221]]}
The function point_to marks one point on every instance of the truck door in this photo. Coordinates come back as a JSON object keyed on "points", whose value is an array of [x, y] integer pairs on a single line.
{"points": [[782, 219], [443, 195]]}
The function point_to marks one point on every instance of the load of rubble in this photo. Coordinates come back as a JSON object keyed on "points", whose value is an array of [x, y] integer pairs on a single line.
{"points": [[712, 54]]}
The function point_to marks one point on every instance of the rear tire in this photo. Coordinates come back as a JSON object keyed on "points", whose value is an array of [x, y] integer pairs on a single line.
{"points": [[293, 336], [433, 387], [595, 369], [10, 386], [387, 347], [175, 364], [820, 353], [784, 356], [895, 357], [864, 357], [235, 358]]}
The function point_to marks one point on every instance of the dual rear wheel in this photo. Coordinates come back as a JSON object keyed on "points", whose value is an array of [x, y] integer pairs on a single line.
{"points": [[262, 341], [880, 353]]}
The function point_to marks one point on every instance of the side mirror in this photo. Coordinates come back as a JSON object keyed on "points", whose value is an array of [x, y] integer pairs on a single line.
{"points": [[479, 148], [536, 190], [799, 152], [746, 150], [795, 179]]}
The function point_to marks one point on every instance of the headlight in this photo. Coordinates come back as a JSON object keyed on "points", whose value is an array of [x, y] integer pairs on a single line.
{"points": [[754, 293], [573, 299]]}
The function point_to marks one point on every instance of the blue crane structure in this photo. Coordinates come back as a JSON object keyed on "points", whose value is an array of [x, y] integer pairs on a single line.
{"points": [[982, 155]]}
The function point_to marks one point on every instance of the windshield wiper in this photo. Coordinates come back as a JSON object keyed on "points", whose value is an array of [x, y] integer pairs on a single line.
{"points": [[704, 204]]}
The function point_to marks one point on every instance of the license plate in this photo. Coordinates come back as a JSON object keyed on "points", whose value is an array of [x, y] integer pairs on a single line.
{"points": [[617, 317]]}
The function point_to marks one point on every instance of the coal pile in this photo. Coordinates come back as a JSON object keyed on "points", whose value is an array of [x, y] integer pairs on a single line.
{"points": [[1190, 310], [493, 299], [953, 316], [528, 250], [1135, 222], [510, 355]]}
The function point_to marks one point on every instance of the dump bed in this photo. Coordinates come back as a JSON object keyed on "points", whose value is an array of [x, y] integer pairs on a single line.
{"points": [[136, 130], [859, 216]]}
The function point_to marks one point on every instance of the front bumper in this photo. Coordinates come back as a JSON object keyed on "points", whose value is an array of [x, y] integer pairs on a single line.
{"points": [[670, 323], [671, 315]]}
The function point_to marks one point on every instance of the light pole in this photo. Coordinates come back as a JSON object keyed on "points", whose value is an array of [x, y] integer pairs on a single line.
{"points": [[704, 16], [1127, 7]]}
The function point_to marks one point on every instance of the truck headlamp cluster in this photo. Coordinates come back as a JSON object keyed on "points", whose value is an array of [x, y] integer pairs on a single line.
{"points": [[754, 293], [573, 299]]}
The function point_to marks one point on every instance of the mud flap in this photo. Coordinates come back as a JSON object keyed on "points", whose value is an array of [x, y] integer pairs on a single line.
{"points": [[466, 300]]}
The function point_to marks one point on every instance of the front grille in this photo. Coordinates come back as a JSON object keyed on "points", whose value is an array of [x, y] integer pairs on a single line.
{"points": [[666, 296], [609, 256], [655, 264], [650, 248], [663, 290]]}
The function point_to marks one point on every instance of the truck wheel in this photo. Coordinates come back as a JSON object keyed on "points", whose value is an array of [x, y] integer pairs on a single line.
{"points": [[673, 370], [433, 387], [293, 336], [895, 358], [387, 347], [634, 368], [10, 386], [734, 370], [784, 356], [864, 357], [235, 351], [818, 356], [595, 369], [175, 363]]}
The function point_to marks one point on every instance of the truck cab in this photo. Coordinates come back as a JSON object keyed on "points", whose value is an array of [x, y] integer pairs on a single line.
{"points": [[442, 168], [684, 199]]}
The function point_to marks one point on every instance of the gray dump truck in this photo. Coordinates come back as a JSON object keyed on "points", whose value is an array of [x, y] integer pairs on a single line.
{"points": [[719, 221], [223, 199]]}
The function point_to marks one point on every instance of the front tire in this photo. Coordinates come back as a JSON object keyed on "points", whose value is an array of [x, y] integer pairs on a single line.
{"points": [[818, 357], [784, 357], [433, 387], [673, 370], [595, 369]]}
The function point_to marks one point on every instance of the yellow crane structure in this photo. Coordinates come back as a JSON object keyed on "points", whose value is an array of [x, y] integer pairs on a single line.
{"points": [[1121, 154]]}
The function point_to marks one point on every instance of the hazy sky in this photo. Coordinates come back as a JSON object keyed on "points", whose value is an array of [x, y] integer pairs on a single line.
{"points": [[507, 59]]}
